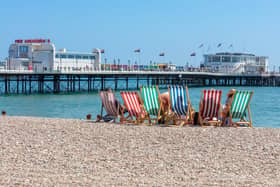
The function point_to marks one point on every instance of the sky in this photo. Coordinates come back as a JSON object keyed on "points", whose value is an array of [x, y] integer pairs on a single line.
{"points": [[176, 27]]}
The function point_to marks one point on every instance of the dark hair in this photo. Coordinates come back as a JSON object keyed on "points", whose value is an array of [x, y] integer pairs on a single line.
{"points": [[3, 112], [88, 117]]}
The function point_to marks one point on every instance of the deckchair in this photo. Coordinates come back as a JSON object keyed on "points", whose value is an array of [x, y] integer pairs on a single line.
{"points": [[109, 104], [239, 106], [152, 102], [210, 107], [180, 104], [134, 106]]}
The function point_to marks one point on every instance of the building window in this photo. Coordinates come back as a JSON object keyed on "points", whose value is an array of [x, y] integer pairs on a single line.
{"points": [[62, 56], [92, 57], [226, 59], [23, 51], [216, 58], [85, 57], [78, 57], [235, 59]]}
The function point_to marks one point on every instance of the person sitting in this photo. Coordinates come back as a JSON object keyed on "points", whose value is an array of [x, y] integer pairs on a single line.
{"points": [[166, 103], [108, 118], [227, 106]]}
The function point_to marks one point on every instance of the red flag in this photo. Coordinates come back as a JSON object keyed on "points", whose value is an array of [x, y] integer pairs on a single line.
{"points": [[193, 54], [102, 51], [161, 54], [137, 50]]}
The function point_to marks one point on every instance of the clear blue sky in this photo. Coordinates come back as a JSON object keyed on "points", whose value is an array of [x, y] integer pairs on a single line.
{"points": [[175, 27]]}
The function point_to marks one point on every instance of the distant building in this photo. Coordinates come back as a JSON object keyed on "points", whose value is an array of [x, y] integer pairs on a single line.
{"points": [[235, 63], [3, 64], [40, 55]]}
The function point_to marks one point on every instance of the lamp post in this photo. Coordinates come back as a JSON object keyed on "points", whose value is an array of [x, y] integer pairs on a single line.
{"points": [[105, 60], [129, 65], [119, 61]]}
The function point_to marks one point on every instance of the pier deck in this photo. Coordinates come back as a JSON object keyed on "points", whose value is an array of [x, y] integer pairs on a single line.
{"points": [[18, 82]]}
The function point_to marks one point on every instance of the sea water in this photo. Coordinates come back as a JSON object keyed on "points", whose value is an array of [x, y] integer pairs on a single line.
{"points": [[265, 107]]}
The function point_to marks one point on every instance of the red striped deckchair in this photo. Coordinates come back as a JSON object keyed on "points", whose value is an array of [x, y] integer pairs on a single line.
{"points": [[238, 108], [134, 107], [109, 104], [209, 107]]}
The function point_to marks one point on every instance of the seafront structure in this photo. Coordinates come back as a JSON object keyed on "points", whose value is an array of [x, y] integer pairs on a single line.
{"points": [[35, 66], [241, 63], [40, 55]]}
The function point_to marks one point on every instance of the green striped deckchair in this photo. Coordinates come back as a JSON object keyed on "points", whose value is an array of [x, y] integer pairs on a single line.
{"points": [[239, 106], [151, 99]]}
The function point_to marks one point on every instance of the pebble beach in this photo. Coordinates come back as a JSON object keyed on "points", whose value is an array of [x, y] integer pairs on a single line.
{"points": [[65, 152]]}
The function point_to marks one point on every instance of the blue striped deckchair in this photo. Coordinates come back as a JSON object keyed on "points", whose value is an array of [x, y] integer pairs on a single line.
{"points": [[109, 104], [152, 102], [239, 106], [180, 103]]}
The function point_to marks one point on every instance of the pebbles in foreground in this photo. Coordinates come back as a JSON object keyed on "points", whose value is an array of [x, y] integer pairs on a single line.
{"points": [[43, 151]]}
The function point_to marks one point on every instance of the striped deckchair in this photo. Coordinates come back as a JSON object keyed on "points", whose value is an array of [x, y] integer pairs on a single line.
{"points": [[209, 107], [239, 106], [152, 102], [180, 103], [109, 103], [134, 107]]}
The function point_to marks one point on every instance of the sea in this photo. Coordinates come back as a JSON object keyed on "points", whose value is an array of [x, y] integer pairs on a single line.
{"points": [[265, 104]]}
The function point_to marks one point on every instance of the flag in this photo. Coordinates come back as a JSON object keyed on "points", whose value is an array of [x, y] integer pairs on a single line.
{"points": [[193, 54], [161, 54], [201, 45], [137, 50], [231, 46], [219, 45], [102, 51]]}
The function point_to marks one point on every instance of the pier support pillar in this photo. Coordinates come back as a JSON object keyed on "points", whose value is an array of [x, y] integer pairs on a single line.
{"points": [[126, 83]]}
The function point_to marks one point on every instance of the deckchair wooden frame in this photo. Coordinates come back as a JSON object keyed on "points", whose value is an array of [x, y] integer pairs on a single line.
{"points": [[140, 118], [242, 120], [204, 121], [158, 116], [177, 117]]}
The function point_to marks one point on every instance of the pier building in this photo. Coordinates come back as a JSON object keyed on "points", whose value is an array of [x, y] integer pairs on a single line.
{"points": [[40, 55], [241, 63]]}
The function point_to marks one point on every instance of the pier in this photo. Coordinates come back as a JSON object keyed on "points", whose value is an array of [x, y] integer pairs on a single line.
{"points": [[12, 82]]}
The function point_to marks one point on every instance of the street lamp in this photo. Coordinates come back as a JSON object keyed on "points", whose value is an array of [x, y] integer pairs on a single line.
{"points": [[119, 64], [105, 60], [129, 65]]}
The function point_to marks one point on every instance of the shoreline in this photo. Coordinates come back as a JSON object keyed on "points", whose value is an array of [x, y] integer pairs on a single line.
{"points": [[55, 151], [84, 120]]}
